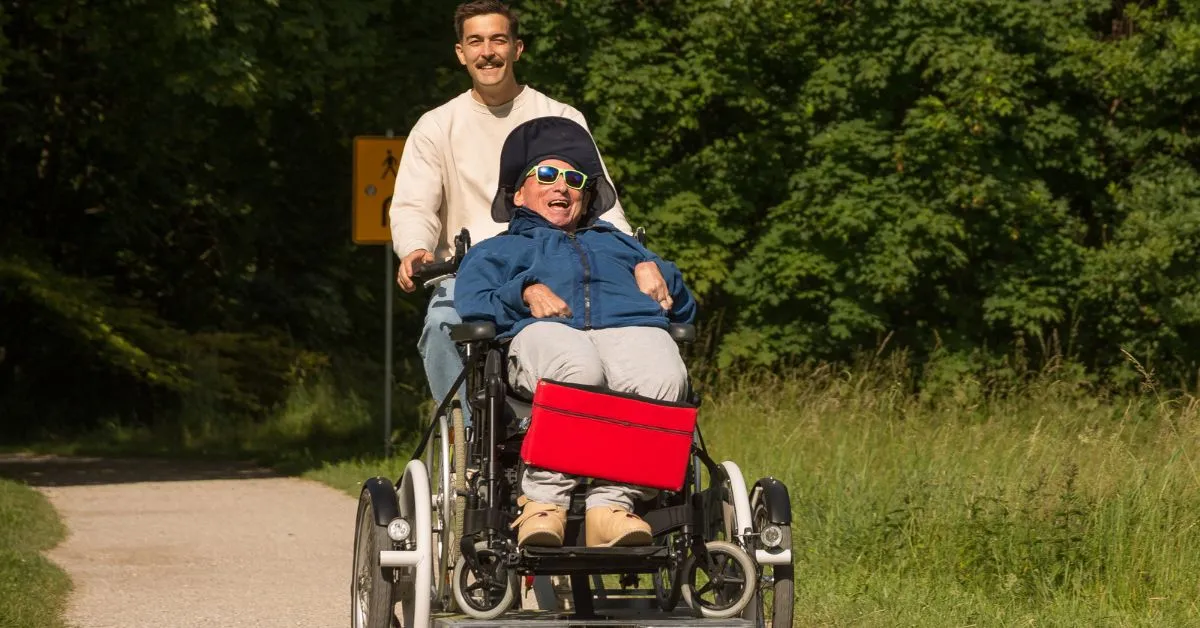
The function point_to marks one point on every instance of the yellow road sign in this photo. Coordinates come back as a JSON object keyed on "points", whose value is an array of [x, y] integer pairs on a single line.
{"points": [[376, 160]]}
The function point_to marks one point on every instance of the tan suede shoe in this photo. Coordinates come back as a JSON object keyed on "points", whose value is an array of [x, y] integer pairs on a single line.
{"points": [[609, 526], [540, 524]]}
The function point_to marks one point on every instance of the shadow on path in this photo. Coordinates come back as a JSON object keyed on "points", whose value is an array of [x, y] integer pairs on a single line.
{"points": [[50, 470]]}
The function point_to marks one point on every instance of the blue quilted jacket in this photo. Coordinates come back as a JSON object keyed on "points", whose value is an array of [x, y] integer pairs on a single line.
{"points": [[592, 270]]}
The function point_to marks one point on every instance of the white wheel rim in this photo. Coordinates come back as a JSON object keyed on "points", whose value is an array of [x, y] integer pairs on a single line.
{"points": [[415, 504]]}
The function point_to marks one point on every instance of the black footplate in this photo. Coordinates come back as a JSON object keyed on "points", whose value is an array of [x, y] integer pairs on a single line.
{"points": [[592, 560]]}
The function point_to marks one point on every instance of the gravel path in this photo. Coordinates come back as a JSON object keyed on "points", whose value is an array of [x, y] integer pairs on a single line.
{"points": [[180, 544]]}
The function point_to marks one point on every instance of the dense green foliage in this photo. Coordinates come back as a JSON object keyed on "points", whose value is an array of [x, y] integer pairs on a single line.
{"points": [[33, 590], [970, 174], [972, 180]]}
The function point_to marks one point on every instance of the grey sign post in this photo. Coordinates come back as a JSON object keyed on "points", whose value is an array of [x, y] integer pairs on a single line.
{"points": [[388, 280]]}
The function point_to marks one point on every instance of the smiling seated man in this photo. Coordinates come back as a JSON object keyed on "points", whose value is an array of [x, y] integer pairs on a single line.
{"points": [[560, 282]]}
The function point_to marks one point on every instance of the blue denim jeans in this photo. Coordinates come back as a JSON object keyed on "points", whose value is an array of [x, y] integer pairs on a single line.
{"points": [[440, 355]]}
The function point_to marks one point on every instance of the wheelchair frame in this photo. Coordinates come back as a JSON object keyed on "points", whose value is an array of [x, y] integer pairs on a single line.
{"points": [[443, 527]]}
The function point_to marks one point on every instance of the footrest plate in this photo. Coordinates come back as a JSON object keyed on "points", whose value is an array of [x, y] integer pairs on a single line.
{"points": [[592, 560], [545, 620]]}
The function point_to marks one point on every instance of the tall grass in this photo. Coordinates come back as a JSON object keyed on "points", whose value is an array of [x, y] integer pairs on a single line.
{"points": [[1040, 502]]}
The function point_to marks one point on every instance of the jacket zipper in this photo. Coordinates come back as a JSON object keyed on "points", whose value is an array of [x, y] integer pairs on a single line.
{"points": [[587, 283], [580, 415]]}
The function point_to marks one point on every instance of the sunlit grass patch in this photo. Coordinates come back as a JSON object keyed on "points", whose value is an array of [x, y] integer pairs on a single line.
{"points": [[33, 590], [1051, 503]]}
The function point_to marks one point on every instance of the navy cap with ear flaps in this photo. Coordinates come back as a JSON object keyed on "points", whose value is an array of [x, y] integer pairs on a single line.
{"points": [[551, 137]]}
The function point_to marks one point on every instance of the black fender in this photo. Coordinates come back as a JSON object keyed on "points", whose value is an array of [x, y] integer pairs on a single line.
{"points": [[778, 502], [384, 502]]}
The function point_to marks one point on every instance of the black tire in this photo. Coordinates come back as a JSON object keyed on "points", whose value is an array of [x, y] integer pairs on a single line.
{"points": [[372, 590], [666, 588], [458, 433], [772, 606], [666, 580], [783, 592]]}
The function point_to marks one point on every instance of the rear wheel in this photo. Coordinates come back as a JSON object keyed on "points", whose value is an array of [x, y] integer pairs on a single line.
{"points": [[372, 588], [446, 531], [458, 500]]}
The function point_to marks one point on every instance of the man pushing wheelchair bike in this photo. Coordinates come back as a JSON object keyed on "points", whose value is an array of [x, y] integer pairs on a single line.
{"points": [[552, 352]]}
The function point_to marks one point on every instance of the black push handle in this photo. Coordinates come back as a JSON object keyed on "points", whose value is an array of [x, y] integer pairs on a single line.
{"points": [[423, 273]]}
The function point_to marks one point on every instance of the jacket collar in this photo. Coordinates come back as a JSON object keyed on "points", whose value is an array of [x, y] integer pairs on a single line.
{"points": [[525, 220]]}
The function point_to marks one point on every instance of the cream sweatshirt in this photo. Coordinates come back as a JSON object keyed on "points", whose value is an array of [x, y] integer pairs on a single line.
{"points": [[450, 166]]}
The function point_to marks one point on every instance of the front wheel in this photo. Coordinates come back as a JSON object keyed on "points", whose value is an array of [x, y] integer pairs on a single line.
{"points": [[775, 601], [488, 592], [720, 583], [372, 587], [773, 604]]}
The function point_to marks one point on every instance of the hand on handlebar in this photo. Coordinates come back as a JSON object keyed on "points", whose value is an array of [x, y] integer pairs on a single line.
{"points": [[405, 272]]}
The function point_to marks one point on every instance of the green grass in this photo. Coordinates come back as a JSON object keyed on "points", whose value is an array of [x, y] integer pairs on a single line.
{"points": [[1038, 500], [33, 590], [1047, 504]]}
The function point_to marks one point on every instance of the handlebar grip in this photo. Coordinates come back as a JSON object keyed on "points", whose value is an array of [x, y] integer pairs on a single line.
{"points": [[424, 273]]}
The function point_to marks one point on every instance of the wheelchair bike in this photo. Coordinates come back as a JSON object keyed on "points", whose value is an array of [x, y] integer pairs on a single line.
{"points": [[438, 543]]}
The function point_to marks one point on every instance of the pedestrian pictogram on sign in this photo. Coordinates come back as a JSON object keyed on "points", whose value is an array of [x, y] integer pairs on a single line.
{"points": [[376, 160]]}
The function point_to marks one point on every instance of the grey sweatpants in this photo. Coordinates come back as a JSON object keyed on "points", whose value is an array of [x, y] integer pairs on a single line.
{"points": [[640, 360]]}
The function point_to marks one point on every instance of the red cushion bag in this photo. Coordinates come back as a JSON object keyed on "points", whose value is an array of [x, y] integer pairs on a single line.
{"points": [[597, 433]]}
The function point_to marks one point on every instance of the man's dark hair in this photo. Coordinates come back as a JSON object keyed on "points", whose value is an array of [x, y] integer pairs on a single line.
{"points": [[468, 10]]}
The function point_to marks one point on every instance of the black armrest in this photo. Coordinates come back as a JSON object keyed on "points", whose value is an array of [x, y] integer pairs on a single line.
{"points": [[682, 332], [471, 332]]}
